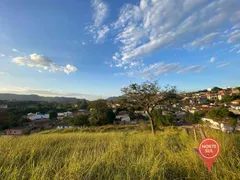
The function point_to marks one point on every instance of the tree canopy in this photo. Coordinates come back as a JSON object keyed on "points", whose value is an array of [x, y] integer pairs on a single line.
{"points": [[147, 96], [52, 114], [216, 89], [83, 104], [223, 115], [80, 120], [100, 113]]}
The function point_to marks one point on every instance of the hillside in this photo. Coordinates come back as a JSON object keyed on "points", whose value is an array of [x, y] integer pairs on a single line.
{"points": [[115, 98], [115, 155], [32, 97]]}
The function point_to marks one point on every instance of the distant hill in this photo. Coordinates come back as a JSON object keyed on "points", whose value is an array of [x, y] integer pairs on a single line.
{"points": [[115, 98], [32, 97]]}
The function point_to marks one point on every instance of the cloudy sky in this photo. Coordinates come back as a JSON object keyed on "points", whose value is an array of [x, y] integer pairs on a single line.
{"points": [[93, 48]]}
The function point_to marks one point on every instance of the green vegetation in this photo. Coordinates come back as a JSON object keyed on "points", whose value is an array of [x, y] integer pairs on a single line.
{"points": [[115, 155], [83, 104], [223, 115], [192, 118], [52, 114], [13, 117], [216, 89], [227, 98], [147, 96], [100, 113], [162, 120], [79, 120]]}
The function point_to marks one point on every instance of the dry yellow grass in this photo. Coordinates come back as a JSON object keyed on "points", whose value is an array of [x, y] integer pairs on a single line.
{"points": [[114, 155]]}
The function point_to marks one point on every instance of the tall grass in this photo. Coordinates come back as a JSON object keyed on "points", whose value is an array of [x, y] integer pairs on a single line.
{"points": [[114, 155]]}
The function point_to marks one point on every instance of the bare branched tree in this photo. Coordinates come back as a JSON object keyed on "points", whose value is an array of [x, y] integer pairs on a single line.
{"points": [[147, 96]]}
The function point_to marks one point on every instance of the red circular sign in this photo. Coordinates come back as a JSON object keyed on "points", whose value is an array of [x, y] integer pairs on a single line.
{"points": [[208, 148]]}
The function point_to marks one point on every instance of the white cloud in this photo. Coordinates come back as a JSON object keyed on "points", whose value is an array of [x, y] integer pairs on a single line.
{"points": [[40, 71], [223, 65], [156, 24], [160, 69], [236, 26], [22, 61], [192, 69], [2, 73], [235, 47], [100, 33], [204, 41], [15, 50], [83, 43], [213, 59], [234, 37], [100, 10], [238, 52], [69, 69], [2, 55], [44, 63]]}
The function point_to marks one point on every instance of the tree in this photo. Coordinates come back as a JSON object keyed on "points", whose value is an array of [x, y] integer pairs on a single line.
{"points": [[147, 96], [192, 118], [79, 120], [218, 114], [216, 89], [52, 114], [83, 104], [228, 99], [131, 113], [100, 113], [163, 120], [223, 115], [158, 117]]}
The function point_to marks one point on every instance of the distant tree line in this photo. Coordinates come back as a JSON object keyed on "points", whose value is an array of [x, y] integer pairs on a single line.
{"points": [[99, 114]]}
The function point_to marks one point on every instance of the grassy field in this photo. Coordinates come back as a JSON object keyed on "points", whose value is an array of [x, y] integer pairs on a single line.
{"points": [[104, 154]]}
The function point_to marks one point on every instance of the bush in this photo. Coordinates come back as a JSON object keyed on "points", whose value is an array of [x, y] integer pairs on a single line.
{"points": [[79, 120], [192, 118], [52, 114], [223, 115], [163, 120]]}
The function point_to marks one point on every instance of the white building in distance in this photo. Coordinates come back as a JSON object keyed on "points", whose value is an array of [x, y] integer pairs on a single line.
{"points": [[37, 116]]}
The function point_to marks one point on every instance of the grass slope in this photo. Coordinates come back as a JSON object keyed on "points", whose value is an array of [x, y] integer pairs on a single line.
{"points": [[114, 155]]}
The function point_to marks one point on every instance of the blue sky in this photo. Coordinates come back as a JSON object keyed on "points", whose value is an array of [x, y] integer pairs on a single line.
{"points": [[91, 49]]}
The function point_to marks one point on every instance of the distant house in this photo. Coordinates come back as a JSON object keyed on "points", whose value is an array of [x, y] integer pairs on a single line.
{"points": [[235, 91], [17, 131], [3, 106], [64, 114], [180, 115], [37, 116], [122, 118], [221, 94], [114, 106], [143, 113], [218, 125], [202, 100], [235, 102], [190, 109], [212, 96], [197, 108], [83, 111], [235, 105], [205, 108], [63, 127]]}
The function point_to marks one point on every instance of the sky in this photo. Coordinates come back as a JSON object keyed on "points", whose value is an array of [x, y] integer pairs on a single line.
{"points": [[91, 49]]}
